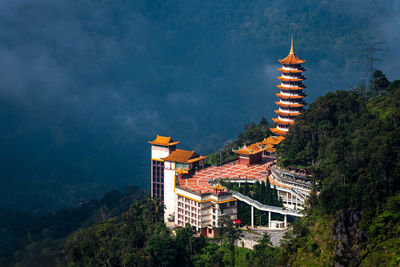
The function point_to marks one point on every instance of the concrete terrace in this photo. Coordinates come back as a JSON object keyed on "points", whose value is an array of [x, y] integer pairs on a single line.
{"points": [[199, 182]]}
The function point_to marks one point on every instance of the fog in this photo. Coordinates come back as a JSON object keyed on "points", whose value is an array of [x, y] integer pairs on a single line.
{"points": [[85, 84]]}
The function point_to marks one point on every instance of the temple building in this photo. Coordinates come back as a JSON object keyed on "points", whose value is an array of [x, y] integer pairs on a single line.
{"points": [[291, 102], [193, 192]]}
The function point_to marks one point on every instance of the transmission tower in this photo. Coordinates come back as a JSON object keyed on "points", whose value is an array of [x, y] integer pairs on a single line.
{"points": [[370, 51]]}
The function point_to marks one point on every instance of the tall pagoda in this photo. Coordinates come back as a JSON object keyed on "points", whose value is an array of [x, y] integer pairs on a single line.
{"points": [[291, 102]]}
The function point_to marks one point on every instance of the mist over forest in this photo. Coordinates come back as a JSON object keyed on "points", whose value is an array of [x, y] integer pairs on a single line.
{"points": [[85, 84]]}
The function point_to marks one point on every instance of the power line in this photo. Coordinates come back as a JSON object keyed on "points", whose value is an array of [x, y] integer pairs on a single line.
{"points": [[370, 58]]}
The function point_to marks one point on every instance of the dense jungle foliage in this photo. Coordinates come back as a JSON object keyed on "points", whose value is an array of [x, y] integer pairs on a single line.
{"points": [[350, 142]]}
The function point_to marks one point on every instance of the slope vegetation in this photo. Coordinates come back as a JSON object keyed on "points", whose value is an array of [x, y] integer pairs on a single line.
{"points": [[351, 144]]}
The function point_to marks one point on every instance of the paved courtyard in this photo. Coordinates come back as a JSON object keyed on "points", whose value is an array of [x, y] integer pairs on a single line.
{"points": [[232, 170]]}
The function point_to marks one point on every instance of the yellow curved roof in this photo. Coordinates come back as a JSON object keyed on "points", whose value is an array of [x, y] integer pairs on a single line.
{"points": [[277, 131], [163, 141], [218, 187]]}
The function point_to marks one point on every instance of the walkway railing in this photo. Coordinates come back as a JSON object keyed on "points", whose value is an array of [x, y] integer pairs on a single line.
{"points": [[259, 206]]}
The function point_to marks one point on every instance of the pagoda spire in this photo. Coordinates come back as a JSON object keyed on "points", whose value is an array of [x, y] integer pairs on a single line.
{"points": [[291, 47], [291, 103]]}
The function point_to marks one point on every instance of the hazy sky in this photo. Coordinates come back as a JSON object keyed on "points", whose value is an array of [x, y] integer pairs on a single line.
{"points": [[84, 84]]}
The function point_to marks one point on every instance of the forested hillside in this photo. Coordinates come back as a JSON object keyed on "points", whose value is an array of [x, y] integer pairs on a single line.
{"points": [[39, 241], [351, 145]]}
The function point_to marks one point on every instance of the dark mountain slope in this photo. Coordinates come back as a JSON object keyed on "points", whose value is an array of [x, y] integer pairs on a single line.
{"points": [[351, 144]]}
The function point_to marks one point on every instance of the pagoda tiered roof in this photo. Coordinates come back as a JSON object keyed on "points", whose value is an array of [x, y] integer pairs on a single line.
{"points": [[281, 122], [289, 96], [183, 156], [291, 59], [163, 141], [290, 88], [281, 113], [289, 105], [290, 71], [291, 80], [277, 131]]}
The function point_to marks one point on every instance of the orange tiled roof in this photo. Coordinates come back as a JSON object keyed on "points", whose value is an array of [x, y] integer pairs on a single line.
{"points": [[250, 149], [277, 131], [163, 141], [287, 113], [289, 71], [290, 80], [274, 140], [290, 88], [271, 141], [289, 96], [291, 59], [289, 105], [281, 122], [183, 156]]}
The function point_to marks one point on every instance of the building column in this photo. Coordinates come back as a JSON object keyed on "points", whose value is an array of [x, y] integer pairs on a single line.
{"points": [[269, 219], [252, 217], [285, 221]]}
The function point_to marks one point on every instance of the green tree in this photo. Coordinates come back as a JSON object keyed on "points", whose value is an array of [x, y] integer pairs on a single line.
{"points": [[231, 234], [264, 253], [379, 82]]}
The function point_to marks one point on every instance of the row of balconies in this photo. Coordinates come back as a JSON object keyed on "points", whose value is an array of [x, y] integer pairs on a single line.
{"points": [[292, 67]]}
